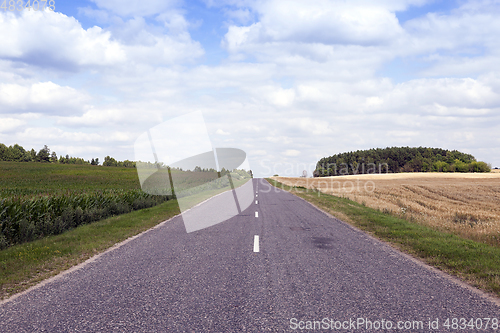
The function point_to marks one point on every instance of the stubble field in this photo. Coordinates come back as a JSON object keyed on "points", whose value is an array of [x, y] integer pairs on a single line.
{"points": [[467, 205]]}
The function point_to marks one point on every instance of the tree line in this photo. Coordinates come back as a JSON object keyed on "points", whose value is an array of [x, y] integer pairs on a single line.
{"points": [[399, 159], [17, 153]]}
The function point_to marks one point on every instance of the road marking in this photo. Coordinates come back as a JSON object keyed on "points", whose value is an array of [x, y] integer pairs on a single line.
{"points": [[256, 243], [256, 202], [256, 214]]}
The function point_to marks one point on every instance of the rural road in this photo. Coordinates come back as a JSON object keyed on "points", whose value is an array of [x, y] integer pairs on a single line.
{"points": [[309, 267]]}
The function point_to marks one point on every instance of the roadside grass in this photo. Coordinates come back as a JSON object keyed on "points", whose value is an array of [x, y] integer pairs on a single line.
{"points": [[194, 199], [24, 265], [475, 263]]}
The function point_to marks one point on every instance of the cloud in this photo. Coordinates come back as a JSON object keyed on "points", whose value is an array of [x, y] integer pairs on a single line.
{"points": [[356, 38], [44, 97], [459, 43], [303, 126], [291, 152], [10, 124], [313, 29], [103, 117], [136, 8], [99, 15], [51, 39], [221, 132], [241, 15], [55, 40], [445, 95]]}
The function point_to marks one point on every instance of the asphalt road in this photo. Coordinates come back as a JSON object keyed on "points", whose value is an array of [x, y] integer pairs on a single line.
{"points": [[309, 267]]}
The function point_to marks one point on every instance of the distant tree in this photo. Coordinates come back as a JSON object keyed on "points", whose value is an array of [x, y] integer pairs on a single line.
{"points": [[461, 166], [53, 157], [128, 164], [18, 154], [94, 161], [44, 154], [32, 155], [395, 159], [109, 161], [3, 152]]}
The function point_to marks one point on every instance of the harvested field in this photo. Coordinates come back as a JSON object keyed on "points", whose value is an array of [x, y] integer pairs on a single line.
{"points": [[467, 205]]}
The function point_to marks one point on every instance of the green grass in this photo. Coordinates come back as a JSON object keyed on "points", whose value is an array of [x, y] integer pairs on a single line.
{"points": [[194, 199], [475, 263], [24, 265], [33, 178]]}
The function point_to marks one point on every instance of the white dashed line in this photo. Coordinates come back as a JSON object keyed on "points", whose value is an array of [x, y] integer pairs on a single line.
{"points": [[256, 243], [256, 202], [256, 214]]}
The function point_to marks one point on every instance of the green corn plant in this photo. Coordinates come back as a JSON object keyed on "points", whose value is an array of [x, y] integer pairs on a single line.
{"points": [[25, 217]]}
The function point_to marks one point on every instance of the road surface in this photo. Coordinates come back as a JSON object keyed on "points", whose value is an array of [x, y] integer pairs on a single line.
{"points": [[279, 266]]}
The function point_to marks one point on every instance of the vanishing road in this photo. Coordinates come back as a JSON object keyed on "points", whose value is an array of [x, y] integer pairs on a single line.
{"points": [[280, 265]]}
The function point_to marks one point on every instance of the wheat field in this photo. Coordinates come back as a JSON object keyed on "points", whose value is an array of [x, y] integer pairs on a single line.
{"points": [[464, 204]]}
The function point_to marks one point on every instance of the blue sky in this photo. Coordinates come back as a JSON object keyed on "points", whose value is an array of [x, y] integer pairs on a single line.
{"points": [[289, 82]]}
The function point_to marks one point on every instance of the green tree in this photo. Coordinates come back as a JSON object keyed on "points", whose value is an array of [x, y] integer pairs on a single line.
{"points": [[128, 164], [461, 166], [33, 155], [109, 161], [44, 154], [53, 157]]}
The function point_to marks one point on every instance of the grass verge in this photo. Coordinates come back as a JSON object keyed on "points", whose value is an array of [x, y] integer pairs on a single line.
{"points": [[194, 199], [475, 263], [24, 265]]}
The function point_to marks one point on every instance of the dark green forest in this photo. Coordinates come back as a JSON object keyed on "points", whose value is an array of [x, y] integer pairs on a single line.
{"points": [[398, 159], [17, 153]]}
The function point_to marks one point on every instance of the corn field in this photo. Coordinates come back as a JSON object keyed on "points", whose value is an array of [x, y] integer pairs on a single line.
{"points": [[28, 215]]}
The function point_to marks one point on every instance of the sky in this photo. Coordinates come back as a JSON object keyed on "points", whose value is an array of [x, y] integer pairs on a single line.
{"points": [[288, 82]]}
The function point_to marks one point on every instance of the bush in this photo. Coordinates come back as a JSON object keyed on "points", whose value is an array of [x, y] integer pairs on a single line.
{"points": [[440, 166], [461, 166]]}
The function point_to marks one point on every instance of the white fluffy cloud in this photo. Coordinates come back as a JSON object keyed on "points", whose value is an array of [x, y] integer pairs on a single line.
{"points": [[55, 40], [324, 22], [291, 152], [42, 97], [10, 124]]}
